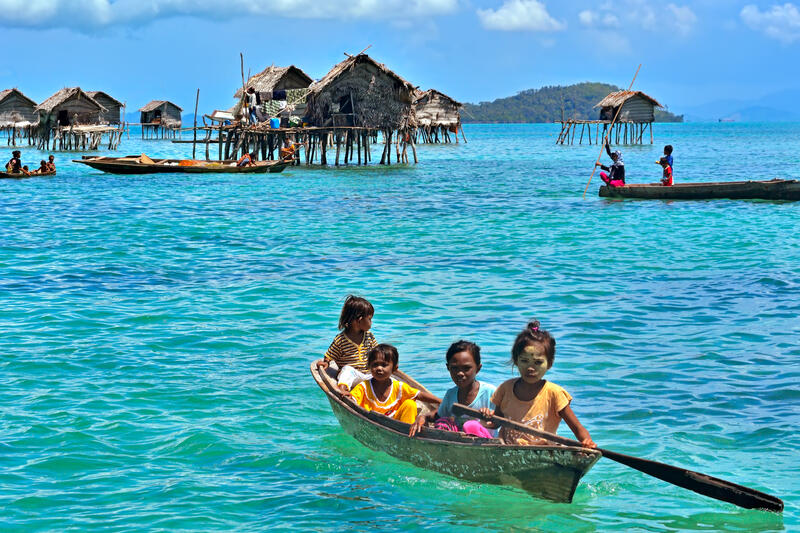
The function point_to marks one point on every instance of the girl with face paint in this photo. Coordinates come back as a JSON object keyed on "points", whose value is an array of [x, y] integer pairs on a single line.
{"points": [[530, 399]]}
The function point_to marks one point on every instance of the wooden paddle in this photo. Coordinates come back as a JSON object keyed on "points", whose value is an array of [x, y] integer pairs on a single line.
{"points": [[701, 483]]}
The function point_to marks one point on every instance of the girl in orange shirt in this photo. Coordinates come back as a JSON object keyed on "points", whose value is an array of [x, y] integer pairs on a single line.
{"points": [[530, 399]]}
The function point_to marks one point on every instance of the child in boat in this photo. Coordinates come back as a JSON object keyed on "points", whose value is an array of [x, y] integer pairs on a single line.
{"points": [[247, 160], [384, 394], [14, 165], [51, 163], [463, 363], [530, 399], [616, 172], [348, 351], [668, 154], [43, 168], [666, 176]]}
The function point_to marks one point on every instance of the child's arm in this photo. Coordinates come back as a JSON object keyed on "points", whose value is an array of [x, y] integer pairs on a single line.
{"points": [[577, 428], [488, 413], [427, 397], [421, 420]]}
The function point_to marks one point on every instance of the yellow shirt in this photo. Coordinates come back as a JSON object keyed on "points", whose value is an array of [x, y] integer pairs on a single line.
{"points": [[539, 413], [366, 398]]}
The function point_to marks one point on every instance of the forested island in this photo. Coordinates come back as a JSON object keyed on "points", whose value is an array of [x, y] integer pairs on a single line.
{"points": [[546, 104]]}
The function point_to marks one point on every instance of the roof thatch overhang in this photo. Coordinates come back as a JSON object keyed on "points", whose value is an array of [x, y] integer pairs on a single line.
{"points": [[618, 98], [8, 92], [267, 79], [155, 104], [65, 94], [95, 94]]}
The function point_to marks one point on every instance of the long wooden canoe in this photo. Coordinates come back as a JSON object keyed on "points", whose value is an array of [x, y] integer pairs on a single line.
{"points": [[735, 190], [20, 175], [549, 472], [135, 164]]}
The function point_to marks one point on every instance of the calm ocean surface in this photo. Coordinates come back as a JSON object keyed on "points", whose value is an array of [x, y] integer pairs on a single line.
{"points": [[157, 332]]}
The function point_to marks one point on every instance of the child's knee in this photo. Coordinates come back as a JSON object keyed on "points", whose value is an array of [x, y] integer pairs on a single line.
{"points": [[407, 412]]}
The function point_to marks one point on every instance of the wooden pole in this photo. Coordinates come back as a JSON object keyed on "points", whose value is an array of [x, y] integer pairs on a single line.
{"points": [[194, 144], [605, 139]]}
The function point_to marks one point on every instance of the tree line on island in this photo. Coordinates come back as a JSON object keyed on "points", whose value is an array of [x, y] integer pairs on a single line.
{"points": [[546, 104]]}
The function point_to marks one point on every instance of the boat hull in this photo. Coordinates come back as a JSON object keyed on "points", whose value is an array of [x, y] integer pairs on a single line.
{"points": [[128, 165], [548, 472], [733, 190], [19, 176]]}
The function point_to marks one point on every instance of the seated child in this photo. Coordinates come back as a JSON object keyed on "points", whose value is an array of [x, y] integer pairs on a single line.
{"points": [[43, 168], [385, 394], [666, 177], [530, 399], [348, 351], [464, 363]]}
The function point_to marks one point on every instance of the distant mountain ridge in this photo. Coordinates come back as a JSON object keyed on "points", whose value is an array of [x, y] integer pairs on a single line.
{"points": [[545, 105], [778, 106]]}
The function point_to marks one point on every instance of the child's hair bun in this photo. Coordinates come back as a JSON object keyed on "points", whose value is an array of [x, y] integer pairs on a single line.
{"points": [[533, 326]]}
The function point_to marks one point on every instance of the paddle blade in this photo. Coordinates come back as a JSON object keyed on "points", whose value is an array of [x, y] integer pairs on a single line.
{"points": [[716, 488]]}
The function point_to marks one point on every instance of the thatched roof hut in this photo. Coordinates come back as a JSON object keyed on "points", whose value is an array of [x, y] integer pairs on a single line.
{"points": [[359, 91], [636, 106], [16, 109], [70, 106], [434, 108], [275, 78], [113, 107], [161, 112]]}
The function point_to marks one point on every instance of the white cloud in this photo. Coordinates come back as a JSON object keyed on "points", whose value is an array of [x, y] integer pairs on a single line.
{"points": [[642, 14], [781, 22], [98, 13], [520, 15]]}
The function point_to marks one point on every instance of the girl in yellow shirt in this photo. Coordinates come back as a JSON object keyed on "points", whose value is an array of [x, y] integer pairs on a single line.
{"points": [[530, 399], [385, 394]]}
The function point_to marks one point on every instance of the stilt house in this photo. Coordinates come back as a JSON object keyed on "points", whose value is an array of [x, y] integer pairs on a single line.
{"points": [[280, 84], [361, 92], [70, 107], [636, 106], [437, 115], [16, 109], [161, 113], [112, 105]]}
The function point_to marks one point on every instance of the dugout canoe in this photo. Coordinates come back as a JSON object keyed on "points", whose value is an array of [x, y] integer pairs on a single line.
{"points": [[776, 189], [548, 472], [20, 175], [136, 164]]}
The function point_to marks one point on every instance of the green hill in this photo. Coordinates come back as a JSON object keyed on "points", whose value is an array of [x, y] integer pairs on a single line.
{"points": [[545, 104]]}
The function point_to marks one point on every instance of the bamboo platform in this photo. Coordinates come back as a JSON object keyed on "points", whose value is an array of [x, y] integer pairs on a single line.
{"points": [[352, 143], [622, 132]]}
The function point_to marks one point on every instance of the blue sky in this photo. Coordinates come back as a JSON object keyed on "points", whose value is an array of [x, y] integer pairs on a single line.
{"points": [[474, 50]]}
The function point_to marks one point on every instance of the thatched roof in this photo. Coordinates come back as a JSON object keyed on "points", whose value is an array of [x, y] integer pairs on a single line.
{"points": [[95, 94], [6, 93], [420, 95], [267, 79], [155, 104], [618, 98], [381, 98], [65, 94], [348, 64]]}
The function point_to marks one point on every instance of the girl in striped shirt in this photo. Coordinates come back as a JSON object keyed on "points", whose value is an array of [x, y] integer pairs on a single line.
{"points": [[348, 351]]}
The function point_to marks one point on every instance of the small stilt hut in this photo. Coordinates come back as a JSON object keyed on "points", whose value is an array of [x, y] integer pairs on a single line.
{"points": [[279, 89], [113, 107], [366, 96], [73, 119], [437, 116], [17, 115], [636, 115], [160, 118]]}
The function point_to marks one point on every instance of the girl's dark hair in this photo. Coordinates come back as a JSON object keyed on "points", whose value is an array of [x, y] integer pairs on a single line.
{"points": [[354, 308], [668, 149], [464, 346], [533, 334], [388, 352]]}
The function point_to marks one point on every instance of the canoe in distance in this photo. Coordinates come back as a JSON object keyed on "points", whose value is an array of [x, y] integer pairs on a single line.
{"points": [[776, 189], [20, 175], [134, 164], [548, 472]]}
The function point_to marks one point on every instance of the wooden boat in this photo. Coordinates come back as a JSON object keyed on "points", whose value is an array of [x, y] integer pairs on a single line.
{"points": [[20, 175], [141, 164], [549, 472], [776, 189]]}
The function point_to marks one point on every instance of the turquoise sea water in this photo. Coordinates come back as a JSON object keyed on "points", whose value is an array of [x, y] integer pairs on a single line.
{"points": [[157, 332]]}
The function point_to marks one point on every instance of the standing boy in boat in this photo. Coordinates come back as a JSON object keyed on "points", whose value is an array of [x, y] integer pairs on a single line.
{"points": [[616, 172]]}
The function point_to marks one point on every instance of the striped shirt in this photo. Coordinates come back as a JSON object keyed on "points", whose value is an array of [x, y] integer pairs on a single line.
{"points": [[345, 352]]}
